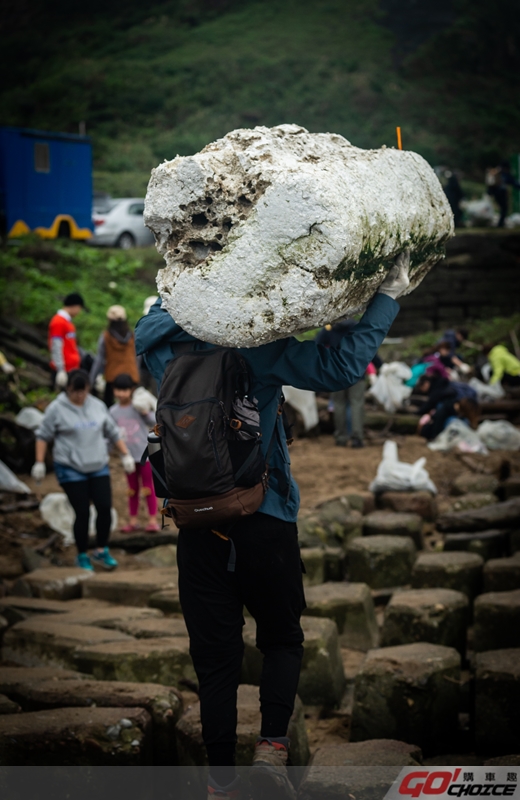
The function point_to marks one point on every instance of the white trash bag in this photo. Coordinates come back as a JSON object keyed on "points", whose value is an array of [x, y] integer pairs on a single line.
{"points": [[144, 401], [10, 483], [487, 392], [29, 418], [458, 436], [59, 515], [389, 388], [397, 476], [499, 434], [303, 401]]}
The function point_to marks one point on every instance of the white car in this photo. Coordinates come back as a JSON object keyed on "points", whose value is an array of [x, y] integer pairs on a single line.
{"points": [[118, 222]]}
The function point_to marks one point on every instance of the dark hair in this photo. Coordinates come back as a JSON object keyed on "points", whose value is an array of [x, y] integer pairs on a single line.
{"points": [[119, 326], [486, 348], [124, 381], [470, 409], [422, 380], [463, 332], [78, 379]]}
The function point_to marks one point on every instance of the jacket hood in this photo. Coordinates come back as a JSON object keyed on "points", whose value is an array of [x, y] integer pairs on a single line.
{"points": [[121, 339], [156, 327]]}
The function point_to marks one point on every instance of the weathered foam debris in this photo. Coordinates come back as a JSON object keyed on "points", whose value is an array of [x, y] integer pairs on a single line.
{"points": [[272, 231]]}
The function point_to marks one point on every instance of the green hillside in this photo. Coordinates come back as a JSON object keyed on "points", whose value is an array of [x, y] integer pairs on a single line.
{"points": [[153, 80]]}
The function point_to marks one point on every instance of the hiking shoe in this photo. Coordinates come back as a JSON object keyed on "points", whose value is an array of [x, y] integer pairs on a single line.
{"points": [[104, 559], [356, 442], [268, 777], [229, 792], [83, 561]]}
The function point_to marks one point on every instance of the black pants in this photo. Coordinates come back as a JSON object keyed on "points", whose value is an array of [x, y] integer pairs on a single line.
{"points": [[80, 493], [268, 581]]}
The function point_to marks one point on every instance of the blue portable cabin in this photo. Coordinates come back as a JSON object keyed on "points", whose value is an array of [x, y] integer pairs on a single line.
{"points": [[45, 183]]}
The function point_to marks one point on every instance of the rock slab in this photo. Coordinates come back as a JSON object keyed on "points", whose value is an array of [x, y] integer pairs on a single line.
{"points": [[381, 561], [351, 607], [76, 737], [456, 570], [366, 768], [497, 621], [409, 693], [497, 701], [164, 704], [397, 523], [272, 231], [439, 616]]}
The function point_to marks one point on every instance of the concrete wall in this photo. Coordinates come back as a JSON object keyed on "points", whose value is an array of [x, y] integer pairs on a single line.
{"points": [[479, 278]]}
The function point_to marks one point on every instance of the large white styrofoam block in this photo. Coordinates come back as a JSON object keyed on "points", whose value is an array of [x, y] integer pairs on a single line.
{"points": [[272, 231]]}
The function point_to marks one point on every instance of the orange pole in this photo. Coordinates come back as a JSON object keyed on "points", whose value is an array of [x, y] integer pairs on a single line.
{"points": [[399, 140]]}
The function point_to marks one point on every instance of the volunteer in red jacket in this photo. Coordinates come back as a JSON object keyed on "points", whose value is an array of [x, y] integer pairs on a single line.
{"points": [[63, 347]]}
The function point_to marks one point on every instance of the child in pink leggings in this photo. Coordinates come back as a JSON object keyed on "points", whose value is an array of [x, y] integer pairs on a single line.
{"points": [[135, 423]]}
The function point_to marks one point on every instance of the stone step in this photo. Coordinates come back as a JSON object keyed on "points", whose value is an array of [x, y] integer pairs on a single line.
{"points": [[439, 616], [466, 502], [409, 692], [367, 768], [497, 701], [351, 607], [110, 615], [167, 601], [335, 564], [502, 574], [155, 628], [38, 642], [189, 732], [488, 544], [360, 500], [470, 482], [164, 660], [381, 561], [314, 562], [497, 621], [7, 706], [510, 487], [332, 523], [130, 587], [453, 570], [53, 583], [322, 679], [164, 555], [163, 703], [102, 737], [498, 515], [422, 503], [392, 523], [12, 677]]}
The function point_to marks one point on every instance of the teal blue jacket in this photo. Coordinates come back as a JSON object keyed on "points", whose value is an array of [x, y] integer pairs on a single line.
{"points": [[305, 365]]}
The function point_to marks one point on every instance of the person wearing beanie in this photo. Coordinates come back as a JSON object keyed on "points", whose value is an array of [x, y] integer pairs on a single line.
{"points": [[63, 347], [135, 421], [115, 353]]}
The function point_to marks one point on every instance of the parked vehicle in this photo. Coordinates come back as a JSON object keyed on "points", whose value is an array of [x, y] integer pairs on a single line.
{"points": [[119, 223], [45, 184]]}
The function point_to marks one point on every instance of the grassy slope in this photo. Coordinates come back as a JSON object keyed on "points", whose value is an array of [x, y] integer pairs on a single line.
{"points": [[35, 277], [154, 81]]}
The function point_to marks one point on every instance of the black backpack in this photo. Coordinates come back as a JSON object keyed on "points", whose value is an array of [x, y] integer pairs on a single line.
{"points": [[208, 426]]}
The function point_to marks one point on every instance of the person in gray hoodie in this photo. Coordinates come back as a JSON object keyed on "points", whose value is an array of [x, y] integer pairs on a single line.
{"points": [[78, 424]]}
